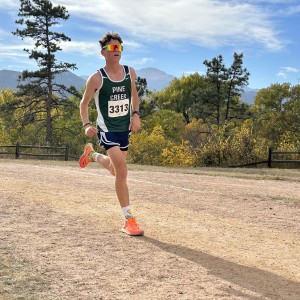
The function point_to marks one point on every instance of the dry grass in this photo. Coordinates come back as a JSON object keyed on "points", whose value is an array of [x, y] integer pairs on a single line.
{"points": [[226, 234], [250, 173]]}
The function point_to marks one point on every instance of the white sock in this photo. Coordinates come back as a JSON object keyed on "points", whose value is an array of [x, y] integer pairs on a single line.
{"points": [[127, 212], [94, 156]]}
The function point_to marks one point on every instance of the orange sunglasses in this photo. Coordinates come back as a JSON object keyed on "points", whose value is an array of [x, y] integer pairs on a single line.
{"points": [[113, 47]]}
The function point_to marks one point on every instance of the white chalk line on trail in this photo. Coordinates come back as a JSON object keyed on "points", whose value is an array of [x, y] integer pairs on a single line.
{"points": [[171, 186]]}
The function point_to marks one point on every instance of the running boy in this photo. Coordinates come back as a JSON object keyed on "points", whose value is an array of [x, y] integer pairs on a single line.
{"points": [[114, 91]]}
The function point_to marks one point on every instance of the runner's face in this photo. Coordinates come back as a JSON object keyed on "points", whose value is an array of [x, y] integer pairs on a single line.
{"points": [[114, 55]]}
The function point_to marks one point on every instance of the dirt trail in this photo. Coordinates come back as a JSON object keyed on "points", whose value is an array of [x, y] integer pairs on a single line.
{"points": [[206, 237]]}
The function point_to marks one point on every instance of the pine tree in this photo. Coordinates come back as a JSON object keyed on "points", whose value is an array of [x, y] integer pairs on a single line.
{"points": [[40, 97], [225, 86]]}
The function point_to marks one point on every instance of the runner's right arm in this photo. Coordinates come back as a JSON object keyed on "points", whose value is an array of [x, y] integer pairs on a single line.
{"points": [[92, 84]]}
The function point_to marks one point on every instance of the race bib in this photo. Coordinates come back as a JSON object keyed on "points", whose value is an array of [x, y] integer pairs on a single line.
{"points": [[118, 108]]}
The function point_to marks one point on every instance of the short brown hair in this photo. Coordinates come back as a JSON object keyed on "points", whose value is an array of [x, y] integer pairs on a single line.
{"points": [[108, 37]]}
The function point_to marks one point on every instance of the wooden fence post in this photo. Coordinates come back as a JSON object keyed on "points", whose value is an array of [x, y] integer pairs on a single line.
{"points": [[17, 150], [270, 158], [67, 153]]}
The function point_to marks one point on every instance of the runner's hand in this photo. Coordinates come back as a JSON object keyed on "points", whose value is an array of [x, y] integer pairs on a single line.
{"points": [[135, 124], [90, 131]]}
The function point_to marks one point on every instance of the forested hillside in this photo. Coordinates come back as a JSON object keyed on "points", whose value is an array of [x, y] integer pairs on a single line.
{"points": [[177, 129], [196, 120]]}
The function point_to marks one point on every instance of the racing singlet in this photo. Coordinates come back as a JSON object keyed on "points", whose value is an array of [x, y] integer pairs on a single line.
{"points": [[113, 103]]}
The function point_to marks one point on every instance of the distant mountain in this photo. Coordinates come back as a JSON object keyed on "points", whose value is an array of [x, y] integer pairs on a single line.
{"points": [[9, 79], [156, 79], [85, 77], [249, 95], [68, 78]]}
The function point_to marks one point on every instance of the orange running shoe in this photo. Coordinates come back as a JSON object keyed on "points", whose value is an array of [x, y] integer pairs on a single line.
{"points": [[84, 158], [131, 227]]}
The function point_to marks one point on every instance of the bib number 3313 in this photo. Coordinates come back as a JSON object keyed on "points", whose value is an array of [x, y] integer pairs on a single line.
{"points": [[118, 108]]}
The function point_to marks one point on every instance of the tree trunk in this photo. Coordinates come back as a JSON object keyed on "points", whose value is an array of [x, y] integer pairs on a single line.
{"points": [[49, 132], [186, 117]]}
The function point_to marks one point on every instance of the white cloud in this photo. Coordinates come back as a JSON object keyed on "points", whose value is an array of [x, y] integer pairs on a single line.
{"points": [[14, 50], [9, 4], [187, 73], [282, 74], [285, 71], [272, 1], [92, 48], [18, 59], [85, 48], [292, 10], [145, 60], [290, 70], [203, 22]]}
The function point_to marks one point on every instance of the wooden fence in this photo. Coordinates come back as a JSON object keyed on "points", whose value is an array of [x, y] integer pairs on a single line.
{"points": [[271, 160], [282, 153], [19, 151], [65, 153]]}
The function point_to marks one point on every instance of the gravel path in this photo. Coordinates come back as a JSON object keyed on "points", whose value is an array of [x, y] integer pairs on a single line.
{"points": [[206, 237]]}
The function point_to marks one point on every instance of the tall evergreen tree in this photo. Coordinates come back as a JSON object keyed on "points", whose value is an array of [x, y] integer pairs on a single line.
{"points": [[216, 74], [225, 84], [237, 78], [40, 96]]}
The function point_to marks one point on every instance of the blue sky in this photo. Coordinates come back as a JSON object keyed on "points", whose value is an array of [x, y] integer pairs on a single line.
{"points": [[174, 36]]}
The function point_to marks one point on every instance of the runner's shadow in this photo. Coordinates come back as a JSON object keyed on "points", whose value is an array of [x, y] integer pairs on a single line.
{"points": [[265, 283]]}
